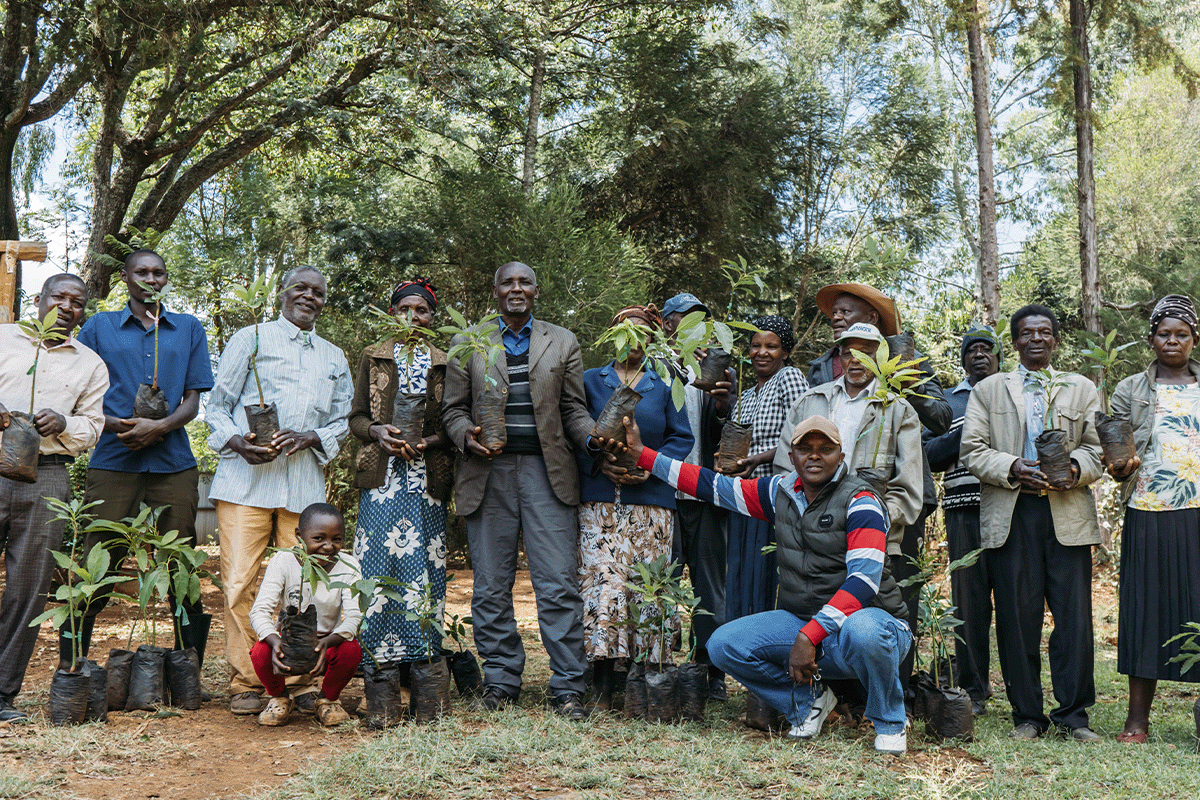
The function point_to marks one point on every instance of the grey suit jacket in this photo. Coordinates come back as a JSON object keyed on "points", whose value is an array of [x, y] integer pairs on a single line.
{"points": [[559, 409], [994, 437]]}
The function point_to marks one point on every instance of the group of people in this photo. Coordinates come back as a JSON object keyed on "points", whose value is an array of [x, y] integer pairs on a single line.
{"points": [[836, 489]]}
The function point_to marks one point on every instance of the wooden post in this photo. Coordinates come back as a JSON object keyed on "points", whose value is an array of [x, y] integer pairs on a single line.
{"points": [[15, 252]]}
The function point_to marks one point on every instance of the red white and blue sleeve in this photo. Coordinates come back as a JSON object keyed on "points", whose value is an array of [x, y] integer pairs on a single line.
{"points": [[866, 543], [752, 498]]}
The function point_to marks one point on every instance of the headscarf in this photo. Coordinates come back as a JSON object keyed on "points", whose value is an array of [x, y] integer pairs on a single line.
{"points": [[1176, 306], [647, 314], [780, 327], [417, 286]]}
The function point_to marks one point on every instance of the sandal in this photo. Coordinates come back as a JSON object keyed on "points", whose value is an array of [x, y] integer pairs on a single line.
{"points": [[1132, 738]]}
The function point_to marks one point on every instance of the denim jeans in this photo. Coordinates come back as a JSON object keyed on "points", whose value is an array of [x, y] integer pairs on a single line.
{"points": [[869, 646]]}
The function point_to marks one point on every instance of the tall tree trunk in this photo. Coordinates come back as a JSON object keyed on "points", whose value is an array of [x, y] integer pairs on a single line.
{"points": [[533, 119], [1089, 260], [988, 277], [9, 228]]}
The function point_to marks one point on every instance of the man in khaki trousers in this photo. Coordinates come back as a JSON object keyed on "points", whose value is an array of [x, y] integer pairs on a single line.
{"points": [[260, 488]]}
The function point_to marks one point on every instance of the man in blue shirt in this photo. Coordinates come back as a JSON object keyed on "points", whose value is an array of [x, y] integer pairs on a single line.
{"points": [[141, 460]]}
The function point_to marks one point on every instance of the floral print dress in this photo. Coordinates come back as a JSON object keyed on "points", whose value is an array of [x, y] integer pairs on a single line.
{"points": [[1169, 479], [401, 534]]}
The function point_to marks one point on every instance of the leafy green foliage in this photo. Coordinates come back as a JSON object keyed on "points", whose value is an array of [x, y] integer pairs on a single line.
{"points": [[895, 381], [1189, 650], [43, 332], [659, 599], [936, 621], [1047, 383], [1104, 357], [468, 341]]}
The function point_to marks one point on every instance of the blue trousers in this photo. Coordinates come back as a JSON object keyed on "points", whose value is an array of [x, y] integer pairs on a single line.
{"points": [[869, 646]]}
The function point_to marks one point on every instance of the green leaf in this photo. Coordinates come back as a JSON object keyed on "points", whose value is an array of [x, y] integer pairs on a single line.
{"points": [[724, 336]]}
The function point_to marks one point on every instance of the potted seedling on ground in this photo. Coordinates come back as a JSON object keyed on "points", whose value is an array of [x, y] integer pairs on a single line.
{"points": [[78, 694], [386, 698], [466, 341], [1054, 457], [653, 615], [945, 707], [693, 676], [430, 679], [21, 441], [464, 667], [1115, 431], [896, 379], [150, 402], [408, 410], [262, 419]]}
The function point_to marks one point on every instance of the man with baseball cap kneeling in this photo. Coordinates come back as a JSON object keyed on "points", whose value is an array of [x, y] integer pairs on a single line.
{"points": [[840, 615]]}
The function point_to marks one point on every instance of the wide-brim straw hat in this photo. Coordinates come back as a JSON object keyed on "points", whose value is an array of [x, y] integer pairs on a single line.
{"points": [[889, 318]]}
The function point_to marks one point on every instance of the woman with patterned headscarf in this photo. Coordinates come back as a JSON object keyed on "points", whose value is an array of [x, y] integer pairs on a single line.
{"points": [[751, 578], [401, 530], [1160, 488], [625, 517]]}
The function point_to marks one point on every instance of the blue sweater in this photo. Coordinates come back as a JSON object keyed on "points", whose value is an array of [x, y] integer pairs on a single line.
{"points": [[663, 427]]}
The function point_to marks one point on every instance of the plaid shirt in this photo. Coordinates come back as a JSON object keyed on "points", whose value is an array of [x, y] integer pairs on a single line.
{"points": [[766, 408]]}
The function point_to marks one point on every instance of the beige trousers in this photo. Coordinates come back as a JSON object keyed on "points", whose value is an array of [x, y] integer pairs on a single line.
{"points": [[246, 532]]}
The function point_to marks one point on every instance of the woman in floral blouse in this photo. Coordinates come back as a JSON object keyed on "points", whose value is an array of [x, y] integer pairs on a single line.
{"points": [[401, 530], [1160, 545]]}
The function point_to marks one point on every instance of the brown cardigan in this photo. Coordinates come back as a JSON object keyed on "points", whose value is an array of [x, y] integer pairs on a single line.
{"points": [[375, 386]]}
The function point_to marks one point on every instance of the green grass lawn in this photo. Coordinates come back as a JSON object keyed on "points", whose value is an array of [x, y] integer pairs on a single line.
{"points": [[529, 752]]}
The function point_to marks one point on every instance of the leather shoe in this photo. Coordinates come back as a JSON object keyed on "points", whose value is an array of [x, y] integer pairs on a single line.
{"points": [[307, 703], [493, 699], [717, 692], [9, 713], [1084, 734], [978, 707], [246, 703], [569, 705], [1026, 730]]}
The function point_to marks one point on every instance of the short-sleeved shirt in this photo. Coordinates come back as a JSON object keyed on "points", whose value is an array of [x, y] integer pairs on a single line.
{"points": [[128, 350]]}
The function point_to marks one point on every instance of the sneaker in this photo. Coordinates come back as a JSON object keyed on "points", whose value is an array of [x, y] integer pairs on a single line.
{"points": [[569, 705], [306, 703], [895, 744], [9, 712], [329, 712], [277, 712], [821, 709], [493, 699], [244, 703]]}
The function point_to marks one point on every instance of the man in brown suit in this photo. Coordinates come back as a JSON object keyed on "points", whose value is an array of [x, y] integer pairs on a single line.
{"points": [[1038, 536], [531, 487]]}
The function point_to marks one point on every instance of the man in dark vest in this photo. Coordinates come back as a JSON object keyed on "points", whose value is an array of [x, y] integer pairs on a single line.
{"points": [[840, 615], [531, 487]]}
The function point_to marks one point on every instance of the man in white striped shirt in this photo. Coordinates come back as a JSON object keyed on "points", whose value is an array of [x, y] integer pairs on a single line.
{"points": [[260, 488]]}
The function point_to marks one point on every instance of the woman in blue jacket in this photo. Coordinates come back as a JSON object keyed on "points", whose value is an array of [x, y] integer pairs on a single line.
{"points": [[625, 517]]}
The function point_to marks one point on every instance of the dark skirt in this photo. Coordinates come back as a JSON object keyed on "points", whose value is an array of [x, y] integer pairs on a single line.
{"points": [[1160, 591], [752, 579]]}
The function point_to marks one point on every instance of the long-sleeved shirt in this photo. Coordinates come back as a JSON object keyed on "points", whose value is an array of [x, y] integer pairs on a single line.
{"points": [[337, 610], [866, 527], [71, 380], [309, 381]]}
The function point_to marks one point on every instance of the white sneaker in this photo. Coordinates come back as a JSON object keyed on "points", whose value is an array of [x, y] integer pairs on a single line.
{"points": [[895, 744], [821, 709]]}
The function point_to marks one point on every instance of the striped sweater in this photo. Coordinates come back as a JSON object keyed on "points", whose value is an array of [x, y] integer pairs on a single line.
{"points": [[866, 528]]}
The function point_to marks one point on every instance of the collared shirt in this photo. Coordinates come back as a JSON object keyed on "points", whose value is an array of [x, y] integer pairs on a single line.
{"points": [[848, 414], [127, 348], [1035, 410], [310, 384], [71, 380], [516, 343]]}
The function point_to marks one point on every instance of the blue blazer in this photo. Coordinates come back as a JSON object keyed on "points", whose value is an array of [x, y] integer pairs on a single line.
{"points": [[663, 427]]}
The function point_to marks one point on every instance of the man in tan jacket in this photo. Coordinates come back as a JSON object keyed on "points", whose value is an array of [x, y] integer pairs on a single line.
{"points": [[1039, 536], [530, 487]]}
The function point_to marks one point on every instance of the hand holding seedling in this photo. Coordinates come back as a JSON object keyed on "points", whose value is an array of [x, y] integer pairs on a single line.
{"points": [[275, 642], [294, 441], [721, 394], [322, 649], [1026, 473], [475, 448], [4, 417], [138, 433], [49, 423], [250, 452], [1121, 474], [386, 436]]}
